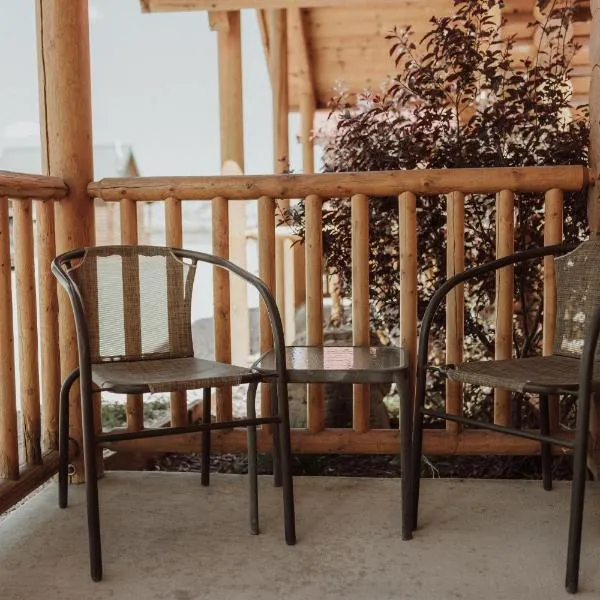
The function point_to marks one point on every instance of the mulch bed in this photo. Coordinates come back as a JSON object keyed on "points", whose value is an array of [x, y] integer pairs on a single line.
{"points": [[379, 465]]}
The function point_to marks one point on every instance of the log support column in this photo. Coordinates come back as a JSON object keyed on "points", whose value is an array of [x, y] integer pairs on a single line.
{"points": [[66, 131]]}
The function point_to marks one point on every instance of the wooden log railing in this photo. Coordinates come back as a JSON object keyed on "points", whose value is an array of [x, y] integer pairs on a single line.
{"points": [[455, 184], [33, 395]]}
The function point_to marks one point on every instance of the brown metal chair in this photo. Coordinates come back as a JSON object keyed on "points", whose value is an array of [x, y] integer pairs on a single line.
{"points": [[562, 372], [132, 309]]}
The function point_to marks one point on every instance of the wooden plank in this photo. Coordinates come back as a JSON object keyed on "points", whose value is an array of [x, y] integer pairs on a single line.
{"points": [[331, 185], [9, 450], [27, 330], [49, 348], [66, 123], [346, 441], [407, 234], [313, 244], [455, 302], [505, 244], [40, 187], [360, 302]]}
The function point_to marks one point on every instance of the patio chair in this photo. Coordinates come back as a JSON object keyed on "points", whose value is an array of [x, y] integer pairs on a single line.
{"points": [[132, 309], [578, 298]]}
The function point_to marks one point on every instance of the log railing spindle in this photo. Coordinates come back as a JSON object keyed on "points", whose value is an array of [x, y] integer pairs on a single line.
{"points": [[407, 233], [314, 302], [9, 450], [455, 263], [221, 298], [48, 324], [360, 301], [553, 234], [174, 238], [505, 243], [129, 236], [27, 328]]}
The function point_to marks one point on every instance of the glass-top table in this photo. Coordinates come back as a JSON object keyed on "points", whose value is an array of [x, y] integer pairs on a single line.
{"points": [[360, 365]]}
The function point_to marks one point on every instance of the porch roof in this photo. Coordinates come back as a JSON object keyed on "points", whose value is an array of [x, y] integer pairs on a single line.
{"points": [[342, 42]]}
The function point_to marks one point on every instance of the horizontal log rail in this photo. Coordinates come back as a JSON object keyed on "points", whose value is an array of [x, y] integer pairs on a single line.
{"points": [[453, 186], [333, 185], [40, 187], [343, 441]]}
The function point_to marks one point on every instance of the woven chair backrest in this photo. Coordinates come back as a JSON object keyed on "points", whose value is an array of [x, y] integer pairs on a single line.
{"points": [[578, 296], [137, 302]]}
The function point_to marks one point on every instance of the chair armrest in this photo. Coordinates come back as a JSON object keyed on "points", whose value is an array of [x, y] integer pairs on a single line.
{"points": [[473, 273]]}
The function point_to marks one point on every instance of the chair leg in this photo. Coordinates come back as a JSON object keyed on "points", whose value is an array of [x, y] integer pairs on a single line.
{"points": [[91, 485], [577, 495], [406, 427], [286, 464], [546, 449], [63, 439], [276, 454], [252, 467], [417, 452], [206, 401]]}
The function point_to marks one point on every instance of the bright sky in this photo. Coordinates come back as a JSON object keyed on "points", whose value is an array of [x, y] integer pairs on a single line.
{"points": [[154, 86]]}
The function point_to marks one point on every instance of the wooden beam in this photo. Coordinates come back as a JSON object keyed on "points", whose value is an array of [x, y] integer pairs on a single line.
{"points": [[344, 441], [298, 44], [40, 187], [228, 5], [231, 117], [332, 185], [66, 121]]}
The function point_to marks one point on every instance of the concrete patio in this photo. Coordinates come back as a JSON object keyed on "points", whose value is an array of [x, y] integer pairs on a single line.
{"points": [[165, 537]]}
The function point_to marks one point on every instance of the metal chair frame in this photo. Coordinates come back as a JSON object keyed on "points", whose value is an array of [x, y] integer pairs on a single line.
{"points": [[578, 445], [91, 439]]}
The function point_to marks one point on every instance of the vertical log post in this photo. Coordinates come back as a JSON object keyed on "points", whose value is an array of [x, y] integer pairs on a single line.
{"points": [[221, 295], [129, 236], [455, 303], [9, 445], [313, 243], [553, 234], [27, 328], [407, 232], [266, 271], [234, 308], [505, 243], [174, 238], [594, 195], [49, 351], [360, 301], [66, 122], [279, 81]]}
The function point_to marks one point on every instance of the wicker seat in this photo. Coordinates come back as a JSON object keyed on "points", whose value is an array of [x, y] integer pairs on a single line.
{"points": [[578, 298], [132, 309]]}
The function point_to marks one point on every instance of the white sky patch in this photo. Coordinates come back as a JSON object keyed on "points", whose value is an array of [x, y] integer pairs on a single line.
{"points": [[22, 129]]}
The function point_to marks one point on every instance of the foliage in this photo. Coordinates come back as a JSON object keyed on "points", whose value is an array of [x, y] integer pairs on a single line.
{"points": [[462, 98]]}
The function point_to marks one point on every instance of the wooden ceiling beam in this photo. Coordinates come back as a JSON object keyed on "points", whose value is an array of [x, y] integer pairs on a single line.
{"points": [[299, 47], [229, 5]]}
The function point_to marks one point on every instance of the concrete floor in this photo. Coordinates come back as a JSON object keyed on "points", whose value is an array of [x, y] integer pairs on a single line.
{"points": [[166, 538]]}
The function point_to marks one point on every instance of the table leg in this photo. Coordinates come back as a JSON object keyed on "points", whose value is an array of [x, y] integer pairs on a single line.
{"points": [[406, 448]]}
